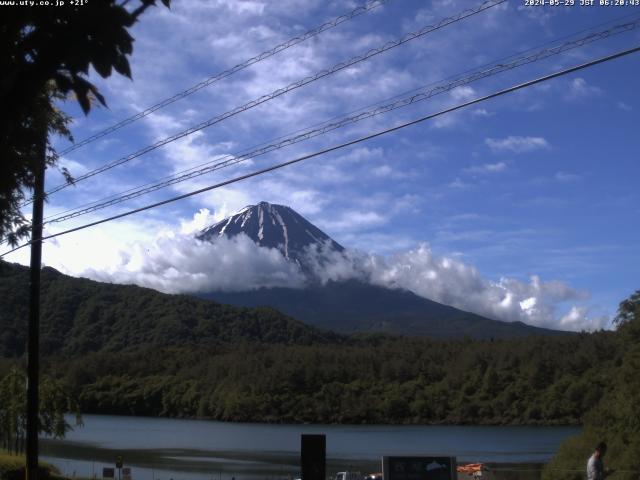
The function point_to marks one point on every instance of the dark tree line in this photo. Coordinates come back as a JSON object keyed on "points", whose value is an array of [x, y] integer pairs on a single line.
{"points": [[373, 379]]}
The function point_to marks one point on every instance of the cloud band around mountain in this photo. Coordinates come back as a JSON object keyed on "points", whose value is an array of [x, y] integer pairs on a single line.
{"points": [[180, 263]]}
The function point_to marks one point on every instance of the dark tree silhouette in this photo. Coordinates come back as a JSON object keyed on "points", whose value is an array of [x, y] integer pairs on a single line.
{"points": [[55, 402], [45, 55]]}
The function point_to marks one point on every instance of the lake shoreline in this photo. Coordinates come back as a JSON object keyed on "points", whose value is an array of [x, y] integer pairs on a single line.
{"points": [[174, 449], [345, 424], [494, 471]]}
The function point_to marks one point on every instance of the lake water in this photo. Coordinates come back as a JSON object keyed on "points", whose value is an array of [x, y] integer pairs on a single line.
{"points": [[165, 449]]}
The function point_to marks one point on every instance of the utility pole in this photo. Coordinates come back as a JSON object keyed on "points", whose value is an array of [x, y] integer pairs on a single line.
{"points": [[33, 347]]}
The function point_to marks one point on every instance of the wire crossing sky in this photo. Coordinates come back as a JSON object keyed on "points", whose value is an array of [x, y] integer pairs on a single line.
{"points": [[338, 147], [237, 68], [521, 208], [284, 90], [415, 96]]}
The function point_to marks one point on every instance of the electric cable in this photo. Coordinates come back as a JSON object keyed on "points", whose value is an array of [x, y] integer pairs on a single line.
{"points": [[227, 73], [278, 166], [417, 95], [487, 4]]}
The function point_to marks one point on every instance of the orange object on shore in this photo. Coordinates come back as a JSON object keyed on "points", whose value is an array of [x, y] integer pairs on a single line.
{"points": [[471, 468]]}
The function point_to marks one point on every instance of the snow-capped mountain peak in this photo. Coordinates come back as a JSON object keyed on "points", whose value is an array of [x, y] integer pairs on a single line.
{"points": [[273, 226]]}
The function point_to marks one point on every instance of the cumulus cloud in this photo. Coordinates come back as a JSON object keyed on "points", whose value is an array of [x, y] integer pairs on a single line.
{"points": [[201, 219], [517, 144], [487, 168], [579, 88], [178, 263], [577, 319], [452, 282]]}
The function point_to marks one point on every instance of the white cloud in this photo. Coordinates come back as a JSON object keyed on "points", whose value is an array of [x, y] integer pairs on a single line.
{"points": [[487, 168], [452, 282], [98, 247], [577, 319], [446, 121], [458, 184], [481, 112], [579, 88], [180, 263], [388, 171], [461, 94], [541, 16], [624, 106], [354, 220], [465, 217], [383, 243], [202, 219], [382, 171], [566, 177], [517, 144], [494, 167]]}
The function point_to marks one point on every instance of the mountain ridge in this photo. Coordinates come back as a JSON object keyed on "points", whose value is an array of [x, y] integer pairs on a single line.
{"points": [[344, 306], [353, 306]]}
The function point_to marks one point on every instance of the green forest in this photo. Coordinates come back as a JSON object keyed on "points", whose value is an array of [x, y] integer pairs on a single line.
{"points": [[365, 380], [130, 350], [133, 351]]}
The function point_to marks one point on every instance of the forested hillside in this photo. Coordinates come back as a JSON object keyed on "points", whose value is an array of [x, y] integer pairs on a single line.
{"points": [[129, 350], [368, 380], [81, 316]]}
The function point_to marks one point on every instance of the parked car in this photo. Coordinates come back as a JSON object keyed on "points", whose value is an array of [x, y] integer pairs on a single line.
{"points": [[349, 476]]}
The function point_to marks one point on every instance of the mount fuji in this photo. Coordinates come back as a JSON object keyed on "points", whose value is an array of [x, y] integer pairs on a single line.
{"points": [[344, 306], [275, 226]]}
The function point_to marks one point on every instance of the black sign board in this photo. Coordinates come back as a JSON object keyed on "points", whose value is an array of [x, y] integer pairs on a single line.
{"points": [[313, 455], [108, 472], [419, 468]]}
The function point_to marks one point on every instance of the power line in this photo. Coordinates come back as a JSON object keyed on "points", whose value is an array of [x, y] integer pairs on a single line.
{"points": [[340, 146], [362, 109], [281, 91], [227, 73], [416, 96]]}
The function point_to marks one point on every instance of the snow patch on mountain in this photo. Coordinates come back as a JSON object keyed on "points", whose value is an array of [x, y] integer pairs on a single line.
{"points": [[273, 226]]}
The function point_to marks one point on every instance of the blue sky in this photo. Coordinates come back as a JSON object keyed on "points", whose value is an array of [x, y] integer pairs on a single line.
{"points": [[534, 192]]}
